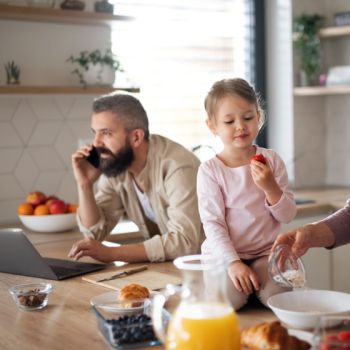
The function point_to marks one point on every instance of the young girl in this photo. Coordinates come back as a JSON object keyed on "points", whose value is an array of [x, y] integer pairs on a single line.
{"points": [[242, 202]]}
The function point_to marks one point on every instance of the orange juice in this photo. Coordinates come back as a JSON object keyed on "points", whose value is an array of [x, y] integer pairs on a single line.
{"points": [[204, 326]]}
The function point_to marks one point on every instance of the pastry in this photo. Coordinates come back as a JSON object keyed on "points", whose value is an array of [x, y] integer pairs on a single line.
{"points": [[271, 336], [133, 291]]}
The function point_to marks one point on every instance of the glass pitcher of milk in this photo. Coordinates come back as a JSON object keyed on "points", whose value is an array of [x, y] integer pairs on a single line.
{"points": [[200, 316]]}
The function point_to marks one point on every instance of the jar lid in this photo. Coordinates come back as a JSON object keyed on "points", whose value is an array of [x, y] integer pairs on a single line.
{"points": [[285, 268]]}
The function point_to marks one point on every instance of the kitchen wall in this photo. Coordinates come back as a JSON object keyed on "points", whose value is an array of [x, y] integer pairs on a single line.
{"points": [[322, 124], [38, 133]]}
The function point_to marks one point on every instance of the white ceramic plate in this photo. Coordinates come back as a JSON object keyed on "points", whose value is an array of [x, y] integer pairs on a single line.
{"points": [[110, 301]]}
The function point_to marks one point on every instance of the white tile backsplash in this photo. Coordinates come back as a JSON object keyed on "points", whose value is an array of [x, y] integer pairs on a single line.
{"points": [[8, 107], [24, 121], [45, 133], [8, 136], [26, 171], [38, 135], [9, 158]]}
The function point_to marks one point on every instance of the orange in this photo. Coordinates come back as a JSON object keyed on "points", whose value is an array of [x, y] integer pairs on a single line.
{"points": [[41, 209], [25, 209], [72, 208]]}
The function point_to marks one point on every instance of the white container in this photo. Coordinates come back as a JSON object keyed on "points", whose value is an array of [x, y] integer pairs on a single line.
{"points": [[99, 74]]}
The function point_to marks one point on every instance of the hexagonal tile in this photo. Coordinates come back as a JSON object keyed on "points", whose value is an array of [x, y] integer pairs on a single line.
{"points": [[45, 108], [9, 158], [8, 211], [81, 129], [65, 145], [49, 182], [68, 188], [45, 133], [46, 158], [64, 103], [10, 187], [9, 136], [26, 172], [81, 108], [24, 121], [8, 107]]}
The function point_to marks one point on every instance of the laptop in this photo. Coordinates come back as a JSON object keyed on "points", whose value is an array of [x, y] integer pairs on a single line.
{"points": [[19, 256]]}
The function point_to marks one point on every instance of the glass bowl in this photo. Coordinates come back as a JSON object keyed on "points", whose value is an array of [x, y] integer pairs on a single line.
{"points": [[332, 332], [286, 269], [33, 296]]}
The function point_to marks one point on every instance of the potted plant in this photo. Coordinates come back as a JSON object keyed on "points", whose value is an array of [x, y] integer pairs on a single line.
{"points": [[95, 67], [307, 44], [12, 73]]}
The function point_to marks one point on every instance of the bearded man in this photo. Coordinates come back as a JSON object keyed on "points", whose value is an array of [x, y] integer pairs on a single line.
{"points": [[147, 178]]}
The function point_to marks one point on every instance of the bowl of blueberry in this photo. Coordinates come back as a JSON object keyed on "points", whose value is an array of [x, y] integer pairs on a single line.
{"points": [[125, 330]]}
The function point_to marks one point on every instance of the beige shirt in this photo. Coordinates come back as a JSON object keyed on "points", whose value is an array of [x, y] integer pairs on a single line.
{"points": [[169, 180]]}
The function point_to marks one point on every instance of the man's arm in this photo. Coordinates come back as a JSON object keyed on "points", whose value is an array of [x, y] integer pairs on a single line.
{"points": [[90, 247]]}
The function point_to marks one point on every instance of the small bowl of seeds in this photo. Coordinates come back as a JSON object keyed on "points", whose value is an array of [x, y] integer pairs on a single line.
{"points": [[33, 296]]}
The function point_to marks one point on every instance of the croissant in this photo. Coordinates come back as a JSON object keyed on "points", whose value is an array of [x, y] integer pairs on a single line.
{"points": [[133, 291], [271, 336]]}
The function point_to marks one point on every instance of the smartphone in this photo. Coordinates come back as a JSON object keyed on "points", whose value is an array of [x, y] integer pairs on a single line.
{"points": [[93, 158]]}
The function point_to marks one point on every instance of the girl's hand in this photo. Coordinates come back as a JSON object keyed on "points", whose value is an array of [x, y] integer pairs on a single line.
{"points": [[264, 179], [243, 277], [84, 173]]}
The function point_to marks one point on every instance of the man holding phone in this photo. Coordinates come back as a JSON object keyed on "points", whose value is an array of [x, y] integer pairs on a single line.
{"points": [[148, 178]]}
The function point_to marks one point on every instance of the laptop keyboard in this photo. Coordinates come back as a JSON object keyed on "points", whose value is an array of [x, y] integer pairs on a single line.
{"points": [[59, 270]]}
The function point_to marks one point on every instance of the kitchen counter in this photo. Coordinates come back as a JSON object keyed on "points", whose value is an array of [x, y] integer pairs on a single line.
{"points": [[326, 200], [67, 322]]}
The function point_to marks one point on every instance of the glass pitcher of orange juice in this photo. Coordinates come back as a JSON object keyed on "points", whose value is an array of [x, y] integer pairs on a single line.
{"points": [[197, 315]]}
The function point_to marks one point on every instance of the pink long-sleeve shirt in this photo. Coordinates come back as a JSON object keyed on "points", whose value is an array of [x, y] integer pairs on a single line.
{"points": [[238, 222]]}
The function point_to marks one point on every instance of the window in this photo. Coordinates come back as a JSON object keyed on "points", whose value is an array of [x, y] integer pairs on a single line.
{"points": [[176, 50]]}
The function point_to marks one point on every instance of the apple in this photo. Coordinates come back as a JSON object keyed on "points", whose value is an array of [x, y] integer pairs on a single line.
{"points": [[35, 198], [57, 207], [50, 199]]}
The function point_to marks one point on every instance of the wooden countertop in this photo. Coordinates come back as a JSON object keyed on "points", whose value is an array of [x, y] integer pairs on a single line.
{"points": [[326, 199], [67, 322]]}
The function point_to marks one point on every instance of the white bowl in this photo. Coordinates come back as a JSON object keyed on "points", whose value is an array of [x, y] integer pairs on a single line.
{"points": [[303, 308], [49, 223]]}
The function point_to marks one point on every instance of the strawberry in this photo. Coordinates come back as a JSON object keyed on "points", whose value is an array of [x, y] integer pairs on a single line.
{"points": [[260, 158], [344, 336]]}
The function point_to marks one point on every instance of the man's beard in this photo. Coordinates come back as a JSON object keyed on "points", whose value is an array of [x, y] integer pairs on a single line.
{"points": [[116, 163]]}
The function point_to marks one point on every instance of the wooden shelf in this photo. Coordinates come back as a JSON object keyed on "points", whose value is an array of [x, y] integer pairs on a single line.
{"points": [[332, 32], [37, 14], [19, 89], [322, 90]]}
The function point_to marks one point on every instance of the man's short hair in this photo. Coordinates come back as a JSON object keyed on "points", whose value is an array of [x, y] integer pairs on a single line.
{"points": [[129, 109]]}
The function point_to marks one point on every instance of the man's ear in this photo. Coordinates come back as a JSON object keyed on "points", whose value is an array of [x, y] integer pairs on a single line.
{"points": [[137, 137]]}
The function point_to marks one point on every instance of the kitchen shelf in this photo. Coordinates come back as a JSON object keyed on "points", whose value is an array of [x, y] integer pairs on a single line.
{"points": [[322, 90], [19, 89], [37, 14], [332, 32]]}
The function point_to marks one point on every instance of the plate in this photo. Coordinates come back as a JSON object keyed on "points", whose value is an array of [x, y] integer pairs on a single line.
{"points": [[110, 301]]}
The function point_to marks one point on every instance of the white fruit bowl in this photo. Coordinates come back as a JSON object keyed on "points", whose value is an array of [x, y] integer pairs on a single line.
{"points": [[49, 223], [303, 308]]}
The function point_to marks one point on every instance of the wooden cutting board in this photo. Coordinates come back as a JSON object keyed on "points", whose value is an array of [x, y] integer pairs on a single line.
{"points": [[153, 280]]}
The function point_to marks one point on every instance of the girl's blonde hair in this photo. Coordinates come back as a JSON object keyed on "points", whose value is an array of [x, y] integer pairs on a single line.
{"points": [[238, 87]]}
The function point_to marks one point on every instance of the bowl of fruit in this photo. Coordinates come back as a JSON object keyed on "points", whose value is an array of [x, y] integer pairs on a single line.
{"points": [[43, 213]]}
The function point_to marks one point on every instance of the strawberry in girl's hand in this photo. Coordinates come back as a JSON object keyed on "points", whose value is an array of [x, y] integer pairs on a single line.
{"points": [[260, 158]]}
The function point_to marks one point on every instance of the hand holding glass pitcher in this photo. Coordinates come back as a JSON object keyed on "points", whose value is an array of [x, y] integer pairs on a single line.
{"points": [[198, 315]]}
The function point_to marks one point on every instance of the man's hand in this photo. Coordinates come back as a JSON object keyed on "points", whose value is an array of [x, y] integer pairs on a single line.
{"points": [[90, 247], [85, 174], [243, 277]]}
